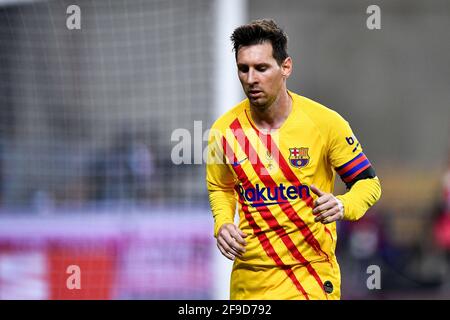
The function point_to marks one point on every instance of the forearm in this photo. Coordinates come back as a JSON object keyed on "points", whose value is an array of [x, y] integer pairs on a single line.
{"points": [[223, 207], [363, 194]]}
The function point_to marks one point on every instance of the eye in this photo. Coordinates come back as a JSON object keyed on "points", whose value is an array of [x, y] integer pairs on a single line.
{"points": [[243, 68], [261, 68]]}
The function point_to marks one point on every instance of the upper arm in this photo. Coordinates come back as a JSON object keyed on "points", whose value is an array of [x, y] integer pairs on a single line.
{"points": [[346, 154]]}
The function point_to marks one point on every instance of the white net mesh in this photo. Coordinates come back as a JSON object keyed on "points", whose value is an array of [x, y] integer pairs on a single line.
{"points": [[86, 117]]}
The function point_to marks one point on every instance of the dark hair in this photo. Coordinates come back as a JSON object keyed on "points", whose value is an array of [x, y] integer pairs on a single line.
{"points": [[258, 32]]}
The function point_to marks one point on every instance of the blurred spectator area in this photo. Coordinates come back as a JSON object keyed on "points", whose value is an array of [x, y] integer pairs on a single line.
{"points": [[409, 201], [411, 196], [87, 115]]}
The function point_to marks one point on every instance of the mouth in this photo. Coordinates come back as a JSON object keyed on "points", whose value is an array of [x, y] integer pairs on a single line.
{"points": [[255, 93]]}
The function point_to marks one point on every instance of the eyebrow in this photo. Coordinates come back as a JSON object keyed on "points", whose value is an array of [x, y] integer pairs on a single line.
{"points": [[262, 64]]}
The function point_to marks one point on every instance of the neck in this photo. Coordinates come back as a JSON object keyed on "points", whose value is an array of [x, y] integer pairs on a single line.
{"points": [[274, 115]]}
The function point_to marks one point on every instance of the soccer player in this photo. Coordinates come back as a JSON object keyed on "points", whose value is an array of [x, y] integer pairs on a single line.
{"points": [[276, 154]]}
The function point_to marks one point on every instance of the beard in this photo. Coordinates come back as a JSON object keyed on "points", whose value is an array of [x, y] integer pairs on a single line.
{"points": [[260, 102]]}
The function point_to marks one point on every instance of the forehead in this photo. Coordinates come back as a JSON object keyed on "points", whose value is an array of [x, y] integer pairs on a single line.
{"points": [[256, 53]]}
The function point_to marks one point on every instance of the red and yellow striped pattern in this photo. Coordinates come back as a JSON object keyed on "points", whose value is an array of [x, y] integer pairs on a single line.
{"points": [[283, 239]]}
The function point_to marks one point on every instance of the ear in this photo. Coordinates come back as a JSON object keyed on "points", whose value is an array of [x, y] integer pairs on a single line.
{"points": [[286, 67]]}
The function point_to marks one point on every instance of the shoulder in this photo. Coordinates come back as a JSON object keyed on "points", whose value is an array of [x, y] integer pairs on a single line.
{"points": [[321, 115], [225, 120]]}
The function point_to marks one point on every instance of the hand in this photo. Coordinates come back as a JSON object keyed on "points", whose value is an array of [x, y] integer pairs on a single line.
{"points": [[230, 241], [327, 207]]}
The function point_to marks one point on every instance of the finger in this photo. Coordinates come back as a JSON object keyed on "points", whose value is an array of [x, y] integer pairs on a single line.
{"points": [[331, 218], [225, 244], [226, 254], [324, 206], [235, 232], [316, 190], [228, 247], [242, 233], [235, 252], [325, 214], [235, 245], [322, 199], [232, 242], [235, 239], [237, 236]]}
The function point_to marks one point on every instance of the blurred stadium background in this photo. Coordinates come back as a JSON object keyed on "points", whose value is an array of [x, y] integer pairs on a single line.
{"points": [[86, 124]]}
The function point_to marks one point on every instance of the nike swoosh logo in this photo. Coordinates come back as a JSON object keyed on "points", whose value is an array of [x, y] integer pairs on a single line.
{"points": [[239, 162]]}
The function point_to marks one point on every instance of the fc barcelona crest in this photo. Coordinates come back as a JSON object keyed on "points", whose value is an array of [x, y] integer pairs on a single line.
{"points": [[298, 157]]}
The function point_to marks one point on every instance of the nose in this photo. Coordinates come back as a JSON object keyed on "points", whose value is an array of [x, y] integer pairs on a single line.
{"points": [[252, 77]]}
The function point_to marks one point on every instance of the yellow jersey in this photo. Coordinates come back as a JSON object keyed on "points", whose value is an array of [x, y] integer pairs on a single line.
{"points": [[288, 255]]}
